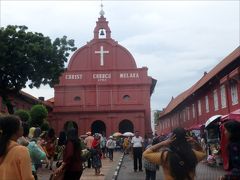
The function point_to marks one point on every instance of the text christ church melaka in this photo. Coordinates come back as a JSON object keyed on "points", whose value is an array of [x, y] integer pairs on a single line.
{"points": [[102, 89]]}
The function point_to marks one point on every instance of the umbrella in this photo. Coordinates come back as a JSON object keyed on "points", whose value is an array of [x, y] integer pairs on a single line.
{"points": [[212, 119], [128, 134], [117, 134]]}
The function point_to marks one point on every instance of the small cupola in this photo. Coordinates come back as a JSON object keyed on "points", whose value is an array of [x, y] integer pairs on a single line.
{"points": [[102, 31]]}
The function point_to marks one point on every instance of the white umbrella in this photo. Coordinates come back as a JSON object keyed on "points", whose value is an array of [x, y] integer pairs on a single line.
{"points": [[212, 119], [128, 134]]}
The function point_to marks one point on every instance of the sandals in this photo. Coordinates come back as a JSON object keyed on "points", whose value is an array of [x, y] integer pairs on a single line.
{"points": [[100, 174]]}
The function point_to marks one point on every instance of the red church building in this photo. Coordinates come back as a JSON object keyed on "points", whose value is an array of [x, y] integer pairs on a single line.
{"points": [[216, 93], [102, 89]]}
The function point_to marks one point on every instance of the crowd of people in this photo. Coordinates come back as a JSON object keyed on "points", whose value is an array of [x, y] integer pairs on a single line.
{"points": [[24, 149]]}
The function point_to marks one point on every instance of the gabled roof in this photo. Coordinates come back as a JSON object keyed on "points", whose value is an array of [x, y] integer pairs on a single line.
{"points": [[51, 100], [33, 99], [206, 78], [29, 96]]}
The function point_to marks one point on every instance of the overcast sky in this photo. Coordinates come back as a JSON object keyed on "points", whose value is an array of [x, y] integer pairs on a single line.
{"points": [[176, 40]]}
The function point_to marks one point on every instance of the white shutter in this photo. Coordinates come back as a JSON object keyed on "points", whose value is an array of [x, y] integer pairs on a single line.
{"points": [[223, 96]]}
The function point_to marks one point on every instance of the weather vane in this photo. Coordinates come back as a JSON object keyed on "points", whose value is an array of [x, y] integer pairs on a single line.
{"points": [[102, 12]]}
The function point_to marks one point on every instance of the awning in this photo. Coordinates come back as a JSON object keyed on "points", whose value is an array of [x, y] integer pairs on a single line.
{"points": [[212, 119], [235, 115]]}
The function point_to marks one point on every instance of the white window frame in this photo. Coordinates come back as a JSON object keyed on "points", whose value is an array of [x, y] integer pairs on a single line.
{"points": [[223, 96], [199, 108], [207, 104], [184, 116], [193, 110], [234, 93], [215, 100], [188, 113]]}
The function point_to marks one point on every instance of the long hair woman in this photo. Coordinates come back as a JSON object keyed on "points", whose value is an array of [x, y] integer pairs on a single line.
{"points": [[72, 162], [15, 162], [232, 133], [176, 155]]}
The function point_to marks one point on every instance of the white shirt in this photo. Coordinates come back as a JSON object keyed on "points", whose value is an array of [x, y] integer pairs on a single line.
{"points": [[137, 142]]}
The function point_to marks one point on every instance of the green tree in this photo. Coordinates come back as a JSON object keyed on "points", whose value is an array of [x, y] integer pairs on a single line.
{"points": [[38, 114], [23, 114], [156, 116], [29, 57]]}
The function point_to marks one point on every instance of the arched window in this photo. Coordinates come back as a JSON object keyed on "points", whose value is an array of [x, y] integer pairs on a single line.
{"points": [[125, 126], [102, 34], [98, 126]]}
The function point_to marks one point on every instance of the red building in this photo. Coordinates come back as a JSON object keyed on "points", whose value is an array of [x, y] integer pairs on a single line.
{"points": [[24, 101], [102, 89], [216, 93]]}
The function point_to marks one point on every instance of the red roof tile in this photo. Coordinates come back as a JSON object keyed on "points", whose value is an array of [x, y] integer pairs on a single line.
{"points": [[51, 100], [34, 98], [219, 67]]}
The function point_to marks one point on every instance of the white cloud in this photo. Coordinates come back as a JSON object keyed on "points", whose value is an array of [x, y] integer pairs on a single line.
{"points": [[176, 40]]}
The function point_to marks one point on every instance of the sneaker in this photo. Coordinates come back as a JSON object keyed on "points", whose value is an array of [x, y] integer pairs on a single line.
{"points": [[140, 170]]}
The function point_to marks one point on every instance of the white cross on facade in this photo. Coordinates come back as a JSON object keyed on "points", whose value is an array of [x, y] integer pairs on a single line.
{"points": [[101, 52]]}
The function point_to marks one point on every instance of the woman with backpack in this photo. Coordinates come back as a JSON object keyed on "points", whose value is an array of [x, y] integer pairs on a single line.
{"points": [[176, 155]]}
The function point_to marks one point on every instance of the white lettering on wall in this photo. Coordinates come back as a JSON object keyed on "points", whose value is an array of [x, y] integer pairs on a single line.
{"points": [[73, 76], [129, 75], [102, 77]]}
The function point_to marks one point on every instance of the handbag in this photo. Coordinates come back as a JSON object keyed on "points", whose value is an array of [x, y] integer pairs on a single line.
{"points": [[85, 155]]}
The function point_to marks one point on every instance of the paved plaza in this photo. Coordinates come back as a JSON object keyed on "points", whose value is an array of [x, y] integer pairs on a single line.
{"points": [[126, 172], [108, 168], [203, 171]]}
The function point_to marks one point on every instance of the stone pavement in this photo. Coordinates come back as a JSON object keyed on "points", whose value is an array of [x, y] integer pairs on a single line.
{"points": [[108, 169], [203, 172]]}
